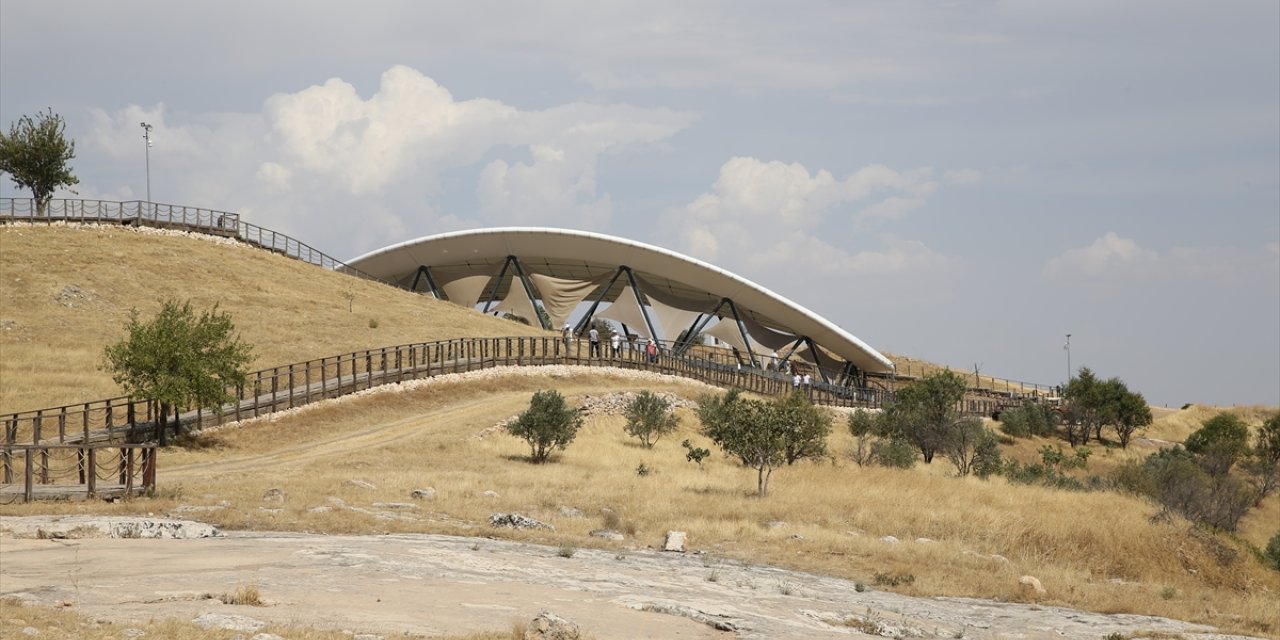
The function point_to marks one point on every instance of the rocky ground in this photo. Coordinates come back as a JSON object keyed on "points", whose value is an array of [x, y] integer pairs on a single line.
{"points": [[127, 569]]}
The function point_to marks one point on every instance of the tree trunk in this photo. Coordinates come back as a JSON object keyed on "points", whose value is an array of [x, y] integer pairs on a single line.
{"points": [[162, 420]]}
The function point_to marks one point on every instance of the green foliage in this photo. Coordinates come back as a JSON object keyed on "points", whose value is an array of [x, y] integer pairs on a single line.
{"points": [[1094, 404], [926, 412], [1176, 479], [35, 154], [649, 417], [1052, 469], [963, 441], [804, 426], [1271, 555], [764, 435], [1263, 464], [1220, 442], [548, 424], [694, 454], [179, 360], [862, 425], [894, 451], [1031, 419]]}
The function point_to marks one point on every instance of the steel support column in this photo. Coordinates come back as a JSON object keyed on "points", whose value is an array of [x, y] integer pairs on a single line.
{"points": [[591, 311], [424, 273]]}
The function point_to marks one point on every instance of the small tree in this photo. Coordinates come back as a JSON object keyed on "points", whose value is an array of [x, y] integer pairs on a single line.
{"points": [[1219, 443], [649, 417], [805, 427], [178, 359], [964, 443], [760, 434], [548, 424], [1263, 464], [35, 154], [1131, 413], [862, 426], [926, 412]]}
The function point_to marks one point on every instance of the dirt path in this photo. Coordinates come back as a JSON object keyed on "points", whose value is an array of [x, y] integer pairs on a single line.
{"points": [[435, 584], [334, 446]]}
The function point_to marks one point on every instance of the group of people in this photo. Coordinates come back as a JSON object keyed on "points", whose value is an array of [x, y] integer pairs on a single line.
{"points": [[615, 343]]}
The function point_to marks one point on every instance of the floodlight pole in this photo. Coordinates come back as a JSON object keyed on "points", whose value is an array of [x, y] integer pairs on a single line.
{"points": [[146, 135], [1067, 346]]}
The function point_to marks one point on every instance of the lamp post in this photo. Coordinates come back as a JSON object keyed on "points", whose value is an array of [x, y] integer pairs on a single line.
{"points": [[146, 135], [1067, 347]]}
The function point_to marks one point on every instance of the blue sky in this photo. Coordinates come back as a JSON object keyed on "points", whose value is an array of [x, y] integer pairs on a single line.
{"points": [[965, 182]]}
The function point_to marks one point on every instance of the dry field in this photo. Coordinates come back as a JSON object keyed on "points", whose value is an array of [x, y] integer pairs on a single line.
{"points": [[1097, 551], [66, 293]]}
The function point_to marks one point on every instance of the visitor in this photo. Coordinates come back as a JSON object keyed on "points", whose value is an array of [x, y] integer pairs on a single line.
{"points": [[615, 342], [594, 337]]}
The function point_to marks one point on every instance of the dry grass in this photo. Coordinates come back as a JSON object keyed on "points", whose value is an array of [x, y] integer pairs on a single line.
{"points": [[66, 622], [66, 292], [1097, 551]]}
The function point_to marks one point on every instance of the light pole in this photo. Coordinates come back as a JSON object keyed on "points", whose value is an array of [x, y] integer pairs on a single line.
{"points": [[1067, 346], [146, 135]]}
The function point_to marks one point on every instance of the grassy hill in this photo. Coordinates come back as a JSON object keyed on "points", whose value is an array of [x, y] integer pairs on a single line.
{"points": [[66, 292]]}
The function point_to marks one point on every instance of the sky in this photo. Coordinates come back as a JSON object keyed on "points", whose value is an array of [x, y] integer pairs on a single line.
{"points": [[965, 182]]}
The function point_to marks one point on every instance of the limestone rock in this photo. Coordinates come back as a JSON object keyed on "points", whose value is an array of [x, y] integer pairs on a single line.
{"points": [[570, 512], [426, 493], [230, 622], [360, 484], [517, 521], [394, 505], [889, 540], [274, 494], [675, 541], [607, 534], [490, 494], [85, 526], [1029, 586], [549, 626]]}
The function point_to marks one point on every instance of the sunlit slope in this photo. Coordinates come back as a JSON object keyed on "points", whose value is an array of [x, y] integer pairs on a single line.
{"points": [[66, 292]]}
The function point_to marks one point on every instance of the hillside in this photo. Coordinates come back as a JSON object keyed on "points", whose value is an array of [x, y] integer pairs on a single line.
{"points": [[67, 292]]}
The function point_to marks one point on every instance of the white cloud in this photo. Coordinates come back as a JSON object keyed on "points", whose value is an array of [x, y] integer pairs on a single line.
{"points": [[1108, 255], [1121, 260], [326, 160], [761, 216]]}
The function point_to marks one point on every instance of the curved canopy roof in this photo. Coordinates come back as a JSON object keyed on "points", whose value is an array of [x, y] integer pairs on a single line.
{"points": [[578, 265]]}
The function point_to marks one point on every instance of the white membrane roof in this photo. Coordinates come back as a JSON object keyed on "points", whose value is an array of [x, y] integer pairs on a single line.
{"points": [[581, 255]]}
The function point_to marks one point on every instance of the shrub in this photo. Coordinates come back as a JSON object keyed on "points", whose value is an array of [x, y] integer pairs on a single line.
{"points": [[1031, 419], [547, 424], [694, 454], [1175, 479], [649, 417], [1219, 443], [1271, 555], [894, 452]]}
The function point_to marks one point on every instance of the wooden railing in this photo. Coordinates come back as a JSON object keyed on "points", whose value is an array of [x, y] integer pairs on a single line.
{"points": [[285, 387], [61, 471]]}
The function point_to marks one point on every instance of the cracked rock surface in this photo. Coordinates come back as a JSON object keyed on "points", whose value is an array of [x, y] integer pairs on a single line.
{"points": [[434, 584]]}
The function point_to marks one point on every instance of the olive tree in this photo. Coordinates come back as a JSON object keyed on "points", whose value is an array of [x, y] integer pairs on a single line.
{"points": [[35, 154], [649, 417], [763, 435], [926, 412], [548, 424], [1263, 464], [179, 359]]}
